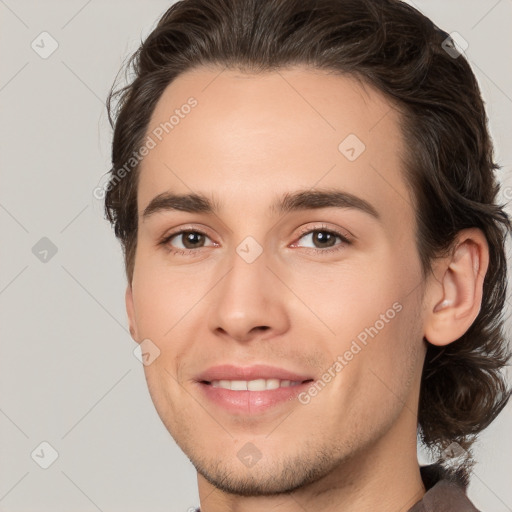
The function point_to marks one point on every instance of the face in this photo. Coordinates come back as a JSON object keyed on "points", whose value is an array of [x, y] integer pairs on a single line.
{"points": [[289, 337]]}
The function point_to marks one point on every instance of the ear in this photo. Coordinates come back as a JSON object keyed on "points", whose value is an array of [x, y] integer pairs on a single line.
{"points": [[130, 310], [455, 294]]}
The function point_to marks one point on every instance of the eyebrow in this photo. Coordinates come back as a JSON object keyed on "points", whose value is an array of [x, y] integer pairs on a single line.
{"points": [[295, 201]]}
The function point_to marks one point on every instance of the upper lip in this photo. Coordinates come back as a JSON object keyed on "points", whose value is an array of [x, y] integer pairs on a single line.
{"points": [[259, 371]]}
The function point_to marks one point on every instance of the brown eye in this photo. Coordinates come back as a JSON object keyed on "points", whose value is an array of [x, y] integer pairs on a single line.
{"points": [[186, 240], [192, 239], [323, 239]]}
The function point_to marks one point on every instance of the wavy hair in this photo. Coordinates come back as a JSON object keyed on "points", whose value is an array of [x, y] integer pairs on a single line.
{"points": [[449, 162]]}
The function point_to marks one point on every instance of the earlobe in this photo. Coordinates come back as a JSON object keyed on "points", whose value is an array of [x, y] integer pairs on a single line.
{"points": [[457, 297], [130, 310]]}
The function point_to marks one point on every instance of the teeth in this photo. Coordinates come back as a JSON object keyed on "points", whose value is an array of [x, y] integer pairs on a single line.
{"points": [[238, 385], [256, 385], [253, 385]]}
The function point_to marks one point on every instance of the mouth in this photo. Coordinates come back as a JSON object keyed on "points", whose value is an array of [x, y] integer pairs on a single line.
{"points": [[254, 385], [251, 390]]}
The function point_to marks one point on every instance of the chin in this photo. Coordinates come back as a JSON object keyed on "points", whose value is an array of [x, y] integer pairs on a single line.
{"points": [[272, 474]]}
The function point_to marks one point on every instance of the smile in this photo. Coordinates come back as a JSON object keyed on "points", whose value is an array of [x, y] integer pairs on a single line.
{"points": [[254, 385]]}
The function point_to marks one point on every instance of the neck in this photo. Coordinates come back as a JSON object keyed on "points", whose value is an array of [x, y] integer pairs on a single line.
{"points": [[384, 476]]}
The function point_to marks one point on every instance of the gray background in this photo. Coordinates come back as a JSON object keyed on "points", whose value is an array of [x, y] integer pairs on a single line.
{"points": [[68, 375]]}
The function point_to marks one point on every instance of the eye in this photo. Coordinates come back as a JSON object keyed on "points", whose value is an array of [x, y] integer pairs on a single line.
{"points": [[190, 241], [186, 241], [324, 240]]}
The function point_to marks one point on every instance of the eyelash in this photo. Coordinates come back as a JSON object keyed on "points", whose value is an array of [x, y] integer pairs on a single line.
{"points": [[191, 252]]}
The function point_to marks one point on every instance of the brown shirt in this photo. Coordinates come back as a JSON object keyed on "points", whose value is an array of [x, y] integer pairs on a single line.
{"points": [[444, 493]]}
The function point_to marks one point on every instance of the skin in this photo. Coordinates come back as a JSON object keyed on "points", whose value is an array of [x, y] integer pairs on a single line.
{"points": [[251, 139]]}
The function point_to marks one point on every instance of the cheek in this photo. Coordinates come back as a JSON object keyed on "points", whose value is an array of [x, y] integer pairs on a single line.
{"points": [[395, 356], [166, 307], [349, 300], [373, 316], [163, 300], [379, 378]]}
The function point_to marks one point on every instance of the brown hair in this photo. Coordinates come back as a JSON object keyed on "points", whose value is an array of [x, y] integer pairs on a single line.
{"points": [[449, 165]]}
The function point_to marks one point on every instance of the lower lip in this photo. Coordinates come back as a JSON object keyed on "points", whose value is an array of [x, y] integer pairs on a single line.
{"points": [[251, 402]]}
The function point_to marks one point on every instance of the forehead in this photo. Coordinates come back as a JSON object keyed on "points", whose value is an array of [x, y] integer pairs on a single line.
{"points": [[246, 139]]}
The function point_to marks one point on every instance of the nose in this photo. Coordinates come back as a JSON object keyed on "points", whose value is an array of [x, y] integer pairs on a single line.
{"points": [[248, 302]]}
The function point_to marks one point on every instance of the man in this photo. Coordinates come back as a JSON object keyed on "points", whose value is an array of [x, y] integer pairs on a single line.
{"points": [[316, 269]]}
